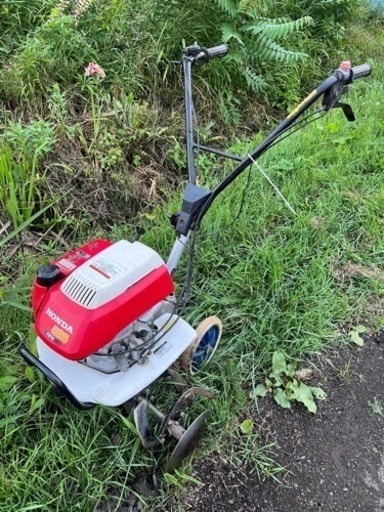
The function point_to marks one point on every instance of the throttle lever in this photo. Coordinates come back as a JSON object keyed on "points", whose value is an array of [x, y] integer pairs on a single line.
{"points": [[347, 110]]}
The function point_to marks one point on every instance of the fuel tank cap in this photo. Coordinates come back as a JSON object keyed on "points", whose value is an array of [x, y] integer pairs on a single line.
{"points": [[47, 275]]}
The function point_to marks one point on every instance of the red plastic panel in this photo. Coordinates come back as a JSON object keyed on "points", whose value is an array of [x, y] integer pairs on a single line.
{"points": [[73, 259], [67, 264], [75, 332]]}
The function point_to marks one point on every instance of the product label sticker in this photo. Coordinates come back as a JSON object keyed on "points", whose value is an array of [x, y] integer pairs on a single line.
{"points": [[59, 334], [83, 254], [66, 264], [163, 349], [107, 268]]}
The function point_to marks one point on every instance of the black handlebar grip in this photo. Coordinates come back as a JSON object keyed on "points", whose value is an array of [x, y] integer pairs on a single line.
{"points": [[361, 71], [216, 51]]}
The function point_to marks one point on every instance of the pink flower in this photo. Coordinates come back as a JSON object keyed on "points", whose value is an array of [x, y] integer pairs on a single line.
{"points": [[94, 69]]}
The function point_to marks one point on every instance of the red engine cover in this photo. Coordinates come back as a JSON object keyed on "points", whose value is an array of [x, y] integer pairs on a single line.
{"points": [[75, 331], [67, 264]]}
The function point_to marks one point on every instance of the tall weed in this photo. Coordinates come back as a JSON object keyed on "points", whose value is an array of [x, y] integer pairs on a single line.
{"points": [[55, 52], [17, 19], [20, 156], [268, 44], [274, 47]]}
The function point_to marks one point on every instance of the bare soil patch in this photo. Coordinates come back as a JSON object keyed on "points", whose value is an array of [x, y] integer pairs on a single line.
{"points": [[335, 458]]}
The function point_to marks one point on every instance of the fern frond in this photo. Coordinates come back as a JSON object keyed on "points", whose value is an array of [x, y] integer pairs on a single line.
{"points": [[273, 51], [247, 5], [228, 6], [325, 4], [333, 7], [62, 6], [235, 57], [273, 29], [229, 32], [249, 8], [229, 108], [255, 82]]}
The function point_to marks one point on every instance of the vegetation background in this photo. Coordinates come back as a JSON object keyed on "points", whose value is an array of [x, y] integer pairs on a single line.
{"points": [[82, 156]]}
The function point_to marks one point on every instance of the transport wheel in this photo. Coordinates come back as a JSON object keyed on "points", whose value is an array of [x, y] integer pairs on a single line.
{"points": [[201, 350]]}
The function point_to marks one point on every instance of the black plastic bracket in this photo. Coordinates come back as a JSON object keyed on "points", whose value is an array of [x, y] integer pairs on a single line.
{"points": [[138, 232], [193, 199]]}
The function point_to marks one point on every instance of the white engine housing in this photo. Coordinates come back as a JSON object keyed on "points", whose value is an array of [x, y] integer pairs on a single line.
{"points": [[91, 386], [109, 273]]}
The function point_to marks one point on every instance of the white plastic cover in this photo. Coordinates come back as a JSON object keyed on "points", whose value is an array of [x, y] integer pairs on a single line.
{"points": [[110, 272], [89, 385]]}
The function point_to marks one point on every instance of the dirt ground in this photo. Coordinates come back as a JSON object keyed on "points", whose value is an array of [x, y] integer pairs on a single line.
{"points": [[335, 457]]}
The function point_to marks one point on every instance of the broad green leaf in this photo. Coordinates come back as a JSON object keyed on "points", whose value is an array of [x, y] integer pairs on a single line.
{"points": [[318, 393], [281, 398], [303, 394], [292, 385], [247, 426], [7, 382], [30, 374], [279, 364], [360, 329], [290, 371], [260, 390], [277, 382], [358, 340]]}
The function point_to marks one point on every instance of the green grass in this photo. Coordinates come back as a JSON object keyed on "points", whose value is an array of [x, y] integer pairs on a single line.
{"points": [[377, 407], [279, 281]]}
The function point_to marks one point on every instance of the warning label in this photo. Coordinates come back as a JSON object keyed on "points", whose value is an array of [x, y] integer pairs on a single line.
{"points": [[66, 264], [107, 268]]}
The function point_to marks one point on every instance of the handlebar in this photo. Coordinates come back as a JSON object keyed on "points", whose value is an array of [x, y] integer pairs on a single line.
{"points": [[361, 71], [330, 89], [216, 51], [196, 53], [343, 76], [348, 74], [195, 206]]}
